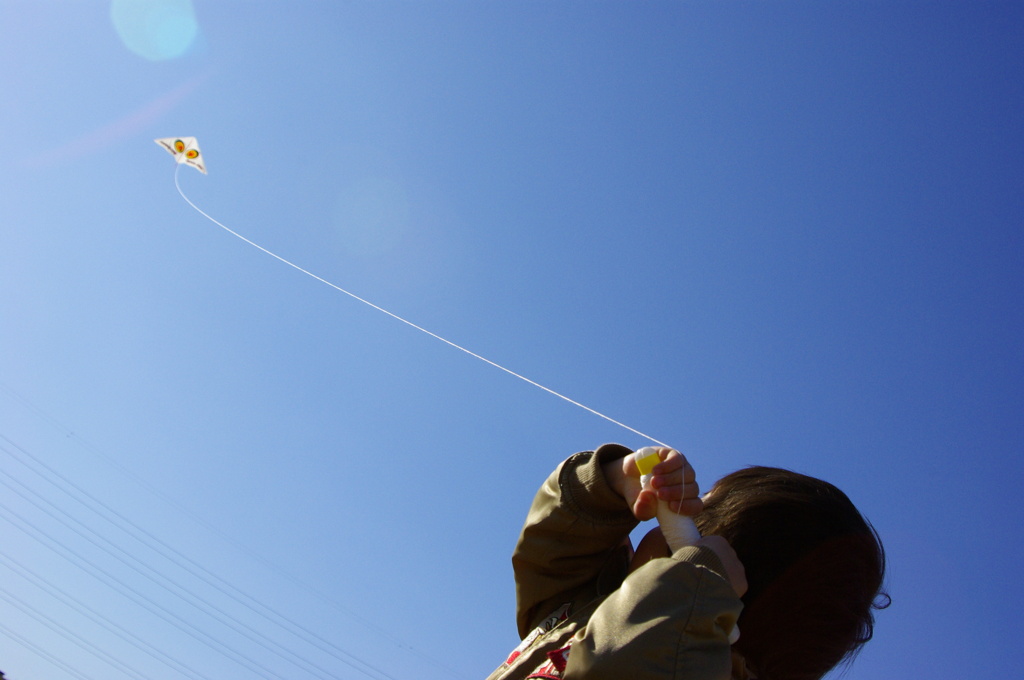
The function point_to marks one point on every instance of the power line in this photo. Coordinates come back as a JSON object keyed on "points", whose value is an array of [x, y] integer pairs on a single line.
{"points": [[42, 653], [65, 485], [69, 635], [132, 594], [175, 588], [72, 602]]}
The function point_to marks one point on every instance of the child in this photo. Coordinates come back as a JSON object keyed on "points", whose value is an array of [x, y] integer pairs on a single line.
{"points": [[789, 551]]}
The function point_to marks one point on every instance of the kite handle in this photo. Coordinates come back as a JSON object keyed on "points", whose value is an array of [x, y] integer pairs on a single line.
{"points": [[679, 530]]}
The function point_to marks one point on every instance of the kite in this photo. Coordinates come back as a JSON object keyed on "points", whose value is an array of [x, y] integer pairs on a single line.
{"points": [[185, 150]]}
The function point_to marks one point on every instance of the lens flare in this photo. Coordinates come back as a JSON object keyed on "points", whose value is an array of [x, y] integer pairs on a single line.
{"points": [[155, 29]]}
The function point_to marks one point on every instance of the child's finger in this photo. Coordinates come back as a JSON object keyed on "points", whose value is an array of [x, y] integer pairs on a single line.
{"points": [[675, 492], [673, 479], [672, 463], [684, 475], [687, 506], [646, 506], [629, 467], [668, 466]]}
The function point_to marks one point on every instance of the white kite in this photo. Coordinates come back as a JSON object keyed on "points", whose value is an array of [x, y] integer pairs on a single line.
{"points": [[185, 150]]}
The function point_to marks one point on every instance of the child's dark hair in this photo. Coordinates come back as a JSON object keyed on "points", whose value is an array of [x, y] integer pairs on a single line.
{"points": [[814, 569]]}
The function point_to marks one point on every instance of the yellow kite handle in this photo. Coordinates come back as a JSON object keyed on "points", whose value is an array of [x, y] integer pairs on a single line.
{"points": [[679, 530]]}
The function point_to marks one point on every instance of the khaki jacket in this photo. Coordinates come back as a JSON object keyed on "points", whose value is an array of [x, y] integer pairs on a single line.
{"points": [[581, 617]]}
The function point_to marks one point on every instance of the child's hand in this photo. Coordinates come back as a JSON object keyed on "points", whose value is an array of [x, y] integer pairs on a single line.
{"points": [[674, 481]]}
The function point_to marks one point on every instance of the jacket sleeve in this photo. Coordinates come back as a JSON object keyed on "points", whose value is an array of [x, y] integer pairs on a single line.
{"points": [[576, 529], [670, 619]]}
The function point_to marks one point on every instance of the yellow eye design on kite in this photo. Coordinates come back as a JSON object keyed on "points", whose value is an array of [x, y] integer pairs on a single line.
{"points": [[185, 151]]}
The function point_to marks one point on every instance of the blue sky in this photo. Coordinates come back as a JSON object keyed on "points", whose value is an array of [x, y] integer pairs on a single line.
{"points": [[775, 233]]}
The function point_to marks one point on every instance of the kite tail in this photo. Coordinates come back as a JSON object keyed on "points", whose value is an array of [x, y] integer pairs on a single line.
{"points": [[410, 323]]}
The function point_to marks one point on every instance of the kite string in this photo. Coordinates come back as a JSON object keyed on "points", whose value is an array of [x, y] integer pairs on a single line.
{"points": [[410, 323]]}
